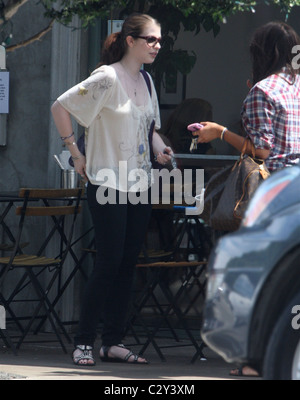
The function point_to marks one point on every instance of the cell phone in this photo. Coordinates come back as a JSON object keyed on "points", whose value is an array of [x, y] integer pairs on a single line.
{"points": [[194, 127]]}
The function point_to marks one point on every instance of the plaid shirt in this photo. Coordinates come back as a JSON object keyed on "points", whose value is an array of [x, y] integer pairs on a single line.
{"points": [[271, 118]]}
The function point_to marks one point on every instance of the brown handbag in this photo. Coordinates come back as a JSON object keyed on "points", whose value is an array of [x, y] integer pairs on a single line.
{"points": [[228, 192]]}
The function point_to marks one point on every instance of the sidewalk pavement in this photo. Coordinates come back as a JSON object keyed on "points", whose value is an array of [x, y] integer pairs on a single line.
{"points": [[47, 361]]}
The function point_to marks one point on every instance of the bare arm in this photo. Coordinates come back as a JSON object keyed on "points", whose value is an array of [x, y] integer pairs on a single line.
{"points": [[162, 152], [211, 131], [62, 119], [63, 124]]}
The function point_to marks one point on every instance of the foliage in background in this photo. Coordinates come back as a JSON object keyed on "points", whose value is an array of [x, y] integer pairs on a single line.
{"points": [[173, 15], [192, 14]]}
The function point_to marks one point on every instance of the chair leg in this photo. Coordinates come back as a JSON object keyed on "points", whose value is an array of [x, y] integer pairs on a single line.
{"points": [[78, 267], [173, 302], [44, 302], [7, 341], [140, 303], [195, 276], [173, 305]]}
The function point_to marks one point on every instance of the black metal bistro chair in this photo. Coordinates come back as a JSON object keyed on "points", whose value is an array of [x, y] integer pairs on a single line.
{"points": [[39, 272], [170, 305]]}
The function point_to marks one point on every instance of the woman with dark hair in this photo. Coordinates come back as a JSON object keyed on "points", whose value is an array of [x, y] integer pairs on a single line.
{"points": [[271, 110], [115, 108]]}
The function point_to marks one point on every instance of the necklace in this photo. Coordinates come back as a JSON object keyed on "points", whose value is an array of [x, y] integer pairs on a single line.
{"points": [[136, 80]]}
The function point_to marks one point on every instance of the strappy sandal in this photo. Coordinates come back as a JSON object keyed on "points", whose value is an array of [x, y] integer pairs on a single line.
{"points": [[84, 353], [107, 358]]}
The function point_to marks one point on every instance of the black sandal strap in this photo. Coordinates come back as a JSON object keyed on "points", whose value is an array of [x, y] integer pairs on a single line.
{"points": [[128, 355], [106, 357]]}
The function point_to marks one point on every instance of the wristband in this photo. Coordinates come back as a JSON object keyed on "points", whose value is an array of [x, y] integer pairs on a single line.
{"points": [[222, 134], [67, 137]]}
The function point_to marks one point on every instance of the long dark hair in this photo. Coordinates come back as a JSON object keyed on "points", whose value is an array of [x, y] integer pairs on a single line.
{"points": [[271, 50], [115, 45]]}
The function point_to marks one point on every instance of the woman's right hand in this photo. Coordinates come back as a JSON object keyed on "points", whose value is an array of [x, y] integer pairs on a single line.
{"points": [[208, 132], [80, 165]]}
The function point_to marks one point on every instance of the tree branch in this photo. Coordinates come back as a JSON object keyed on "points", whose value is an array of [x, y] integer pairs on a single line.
{"points": [[32, 39], [11, 8]]}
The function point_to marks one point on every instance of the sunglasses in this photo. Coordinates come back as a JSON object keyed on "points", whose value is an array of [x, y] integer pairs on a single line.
{"points": [[150, 40]]}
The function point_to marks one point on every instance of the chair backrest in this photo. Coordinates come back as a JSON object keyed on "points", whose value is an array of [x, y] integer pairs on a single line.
{"points": [[36, 203], [48, 194]]}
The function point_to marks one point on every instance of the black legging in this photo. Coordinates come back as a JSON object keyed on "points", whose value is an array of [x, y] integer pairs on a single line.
{"points": [[120, 230]]}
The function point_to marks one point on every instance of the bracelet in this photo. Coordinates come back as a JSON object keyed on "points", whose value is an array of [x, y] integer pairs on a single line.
{"points": [[67, 137], [222, 134], [75, 158]]}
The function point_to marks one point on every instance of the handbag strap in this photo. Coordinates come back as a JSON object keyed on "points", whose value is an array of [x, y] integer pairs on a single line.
{"points": [[147, 79], [150, 136], [262, 167], [244, 148]]}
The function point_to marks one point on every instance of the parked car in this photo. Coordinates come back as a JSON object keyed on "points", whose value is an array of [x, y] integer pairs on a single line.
{"points": [[252, 307]]}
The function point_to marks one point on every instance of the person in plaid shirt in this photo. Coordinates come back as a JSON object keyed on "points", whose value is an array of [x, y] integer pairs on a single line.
{"points": [[271, 110]]}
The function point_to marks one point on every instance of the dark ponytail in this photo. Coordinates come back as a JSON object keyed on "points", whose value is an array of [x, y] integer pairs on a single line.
{"points": [[113, 49], [115, 45]]}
